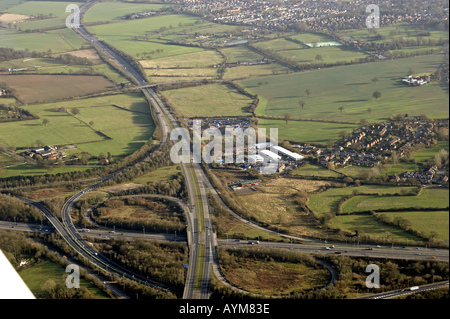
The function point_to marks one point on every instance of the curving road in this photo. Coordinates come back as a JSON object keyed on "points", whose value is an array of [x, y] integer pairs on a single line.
{"points": [[166, 124]]}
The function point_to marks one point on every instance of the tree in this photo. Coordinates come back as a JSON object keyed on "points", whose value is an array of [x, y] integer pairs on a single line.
{"points": [[369, 110], [330, 166], [75, 111], [363, 122], [341, 108], [308, 92], [319, 57], [302, 104], [376, 95], [45, 121], [253, 173], [287, 117], [91, 123], [375, 80], [343, 134]]}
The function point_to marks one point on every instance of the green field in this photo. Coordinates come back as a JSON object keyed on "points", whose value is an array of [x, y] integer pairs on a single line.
{"points": [[312, 37], [369, 226], [58, 41], [240, 53], [124, 118], [200, 59], [301, 54], [51, 66], [241, 72], [36, 276], [351, 87], [402, 30], [427, 154], [130, 126], [306, 131], [54, 10], [427, 222], [113, 10], [6, 4], [120, 35], [62, 129], [30, 170], [328, 201], [428, 198], [208, 100]]}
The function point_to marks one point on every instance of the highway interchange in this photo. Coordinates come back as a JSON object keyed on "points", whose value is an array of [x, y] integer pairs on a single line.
{"points": [[201, 238]]}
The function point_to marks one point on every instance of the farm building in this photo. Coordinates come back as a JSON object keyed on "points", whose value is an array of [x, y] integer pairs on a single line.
{"points": [[418, 80]]}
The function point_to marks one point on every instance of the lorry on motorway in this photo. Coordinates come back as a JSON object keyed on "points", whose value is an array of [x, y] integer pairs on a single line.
{"points": [[414, 288]]}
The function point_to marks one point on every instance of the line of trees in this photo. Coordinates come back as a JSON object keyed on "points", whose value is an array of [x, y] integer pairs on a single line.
{"points": [[161, 262], [12, 209], [147, 214], [8, 54]]}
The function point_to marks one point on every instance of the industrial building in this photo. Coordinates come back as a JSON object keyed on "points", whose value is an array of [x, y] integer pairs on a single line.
{"points": [[253, 159], [270, 155], [287, 153]]}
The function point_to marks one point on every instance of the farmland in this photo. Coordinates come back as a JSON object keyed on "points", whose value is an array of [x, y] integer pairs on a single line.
{"points": [[329, 201], [58, 41], [53, 11], [366, 225], [306, 131], [41, 88], [349, 211], [299, 54], [428, 198], [124, 120], [200, 59], [112, 11], [429, 221], [352, 88], [209, 100], [240, 53], [121, 35], [241, 72]]}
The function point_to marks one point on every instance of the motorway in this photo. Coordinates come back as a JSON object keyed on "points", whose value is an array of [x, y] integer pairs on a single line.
{"points": [[190, 291], [404, 292], [407, 253]]}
